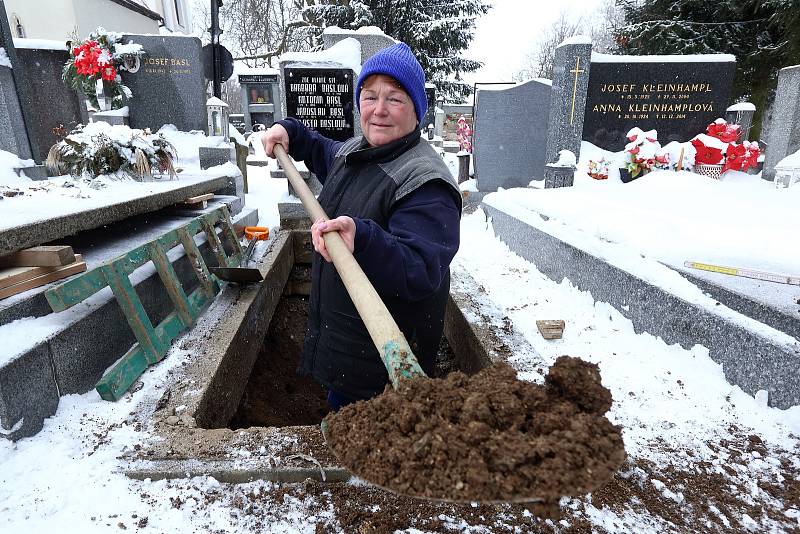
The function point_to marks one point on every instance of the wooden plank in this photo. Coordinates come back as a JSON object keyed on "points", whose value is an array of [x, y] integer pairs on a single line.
{"points": [[57, 274], [199, 198], [551, 329], [43, 256]]}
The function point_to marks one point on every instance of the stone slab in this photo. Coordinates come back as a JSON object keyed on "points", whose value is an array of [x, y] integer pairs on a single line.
{"points": [[783, 135], [168, 87], [34, 172], [111, 118], [749, 360], [213, 156], [777, 305], [28, 393], [510, 135], [74, 358], [293, 216], [63, 225]]}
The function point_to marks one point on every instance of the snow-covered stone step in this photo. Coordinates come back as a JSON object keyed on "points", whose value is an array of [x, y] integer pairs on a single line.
{"points": [[47, 211], [54, 354], [754, 356]]}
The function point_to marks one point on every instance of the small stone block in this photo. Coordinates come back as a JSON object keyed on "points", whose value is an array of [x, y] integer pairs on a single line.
{"points": [[35, 172], [213, 156], [551, 328]]}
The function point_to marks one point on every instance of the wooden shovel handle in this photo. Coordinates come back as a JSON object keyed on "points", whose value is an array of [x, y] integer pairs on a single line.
{"points": [[395, 352]]}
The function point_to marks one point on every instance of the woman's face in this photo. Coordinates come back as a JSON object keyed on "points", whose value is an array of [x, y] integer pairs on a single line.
{"points": [[387, 112]]}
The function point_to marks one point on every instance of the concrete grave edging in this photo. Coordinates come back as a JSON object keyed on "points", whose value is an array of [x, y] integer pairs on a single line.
{"points": [[748, 359]]}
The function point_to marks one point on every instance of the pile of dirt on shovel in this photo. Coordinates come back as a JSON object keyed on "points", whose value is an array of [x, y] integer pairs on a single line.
{"points": [[488, 437]]}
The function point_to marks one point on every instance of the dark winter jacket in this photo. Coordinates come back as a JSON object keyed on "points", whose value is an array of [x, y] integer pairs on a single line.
{"points": [[406, 207]]}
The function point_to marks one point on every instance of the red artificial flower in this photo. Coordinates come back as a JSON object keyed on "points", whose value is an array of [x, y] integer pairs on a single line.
{"points": [[727, 133], [109, 73], [706, 154], [662, 158], [735, 157], [634, 150], [751, 157]]}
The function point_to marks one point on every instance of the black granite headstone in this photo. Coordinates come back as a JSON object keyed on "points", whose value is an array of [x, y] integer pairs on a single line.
{"points": [[237, 121], [677, 99], [322, 99], [52, 104], [430, 95], [168, 87]]}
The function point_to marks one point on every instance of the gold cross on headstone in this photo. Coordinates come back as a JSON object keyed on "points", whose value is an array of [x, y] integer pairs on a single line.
{"points": [[577, 70]]}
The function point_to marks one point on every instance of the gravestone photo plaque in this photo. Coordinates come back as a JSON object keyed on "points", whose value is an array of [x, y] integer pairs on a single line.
{"points": [[322, 99], [676, 98]]}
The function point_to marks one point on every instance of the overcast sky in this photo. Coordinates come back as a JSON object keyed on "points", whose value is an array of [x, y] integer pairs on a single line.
{"points": [[508, 32]]}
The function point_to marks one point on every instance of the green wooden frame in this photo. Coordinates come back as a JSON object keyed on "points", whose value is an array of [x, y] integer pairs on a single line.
{"points": [[153, 342]]}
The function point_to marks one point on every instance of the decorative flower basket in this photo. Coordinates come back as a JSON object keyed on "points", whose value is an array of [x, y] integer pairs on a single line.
{"points": [[711, 170]]}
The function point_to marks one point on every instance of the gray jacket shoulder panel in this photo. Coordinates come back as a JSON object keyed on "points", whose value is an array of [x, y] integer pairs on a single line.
{"points": [[349, 146], [416, 167]]}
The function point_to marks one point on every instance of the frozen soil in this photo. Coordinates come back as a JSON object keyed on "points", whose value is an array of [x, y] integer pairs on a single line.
{"points": [[488, 437]]}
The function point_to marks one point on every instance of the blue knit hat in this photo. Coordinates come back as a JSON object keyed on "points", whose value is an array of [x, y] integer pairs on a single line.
{"points": [[398, 62]]}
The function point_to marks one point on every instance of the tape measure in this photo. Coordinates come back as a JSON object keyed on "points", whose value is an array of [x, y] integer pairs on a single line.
{"points": [[746, 273]]}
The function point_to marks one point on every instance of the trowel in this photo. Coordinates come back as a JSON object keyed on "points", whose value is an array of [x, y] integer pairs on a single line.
{"points": [[244, 274]]}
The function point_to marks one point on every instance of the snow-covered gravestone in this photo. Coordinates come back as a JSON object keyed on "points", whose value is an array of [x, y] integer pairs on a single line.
{"points": [[168, 86], [675, 95], [319, 88], [783, 136]]}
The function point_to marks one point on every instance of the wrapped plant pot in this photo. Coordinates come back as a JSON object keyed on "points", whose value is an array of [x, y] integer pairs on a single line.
{"points": [[709, 169]]}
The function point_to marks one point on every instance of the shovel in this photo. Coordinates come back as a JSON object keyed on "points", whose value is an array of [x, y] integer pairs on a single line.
{"points": [[392, 346], [244, 274]]}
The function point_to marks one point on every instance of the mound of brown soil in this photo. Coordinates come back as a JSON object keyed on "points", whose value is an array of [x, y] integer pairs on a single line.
{"points": [[487, 437]]}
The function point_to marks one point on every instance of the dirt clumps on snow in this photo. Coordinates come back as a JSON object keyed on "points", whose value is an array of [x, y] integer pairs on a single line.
{"points": [[489, 437]]}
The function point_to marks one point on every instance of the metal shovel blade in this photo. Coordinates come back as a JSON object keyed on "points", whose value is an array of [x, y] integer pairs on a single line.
{"points": [[238, 275]]}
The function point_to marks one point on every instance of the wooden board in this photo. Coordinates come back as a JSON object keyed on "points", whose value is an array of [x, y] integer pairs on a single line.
{"points": [[57, 274], [14, 275], [551, 328], [43, 256], [199, 198]]}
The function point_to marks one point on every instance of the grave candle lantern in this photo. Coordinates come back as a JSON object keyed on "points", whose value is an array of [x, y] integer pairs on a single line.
{"points": [[217, 113]]}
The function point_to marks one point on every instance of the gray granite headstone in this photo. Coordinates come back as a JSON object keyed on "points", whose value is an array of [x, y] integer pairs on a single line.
{"points": [[168, 87], [370, 42], [678, 96], [571, 67], [12, 126], [510, 135], [783, 136], [13, 134], [51, 102]]}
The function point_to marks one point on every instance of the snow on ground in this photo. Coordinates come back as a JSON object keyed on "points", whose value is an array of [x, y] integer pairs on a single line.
{"points": [[678, 412]]}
